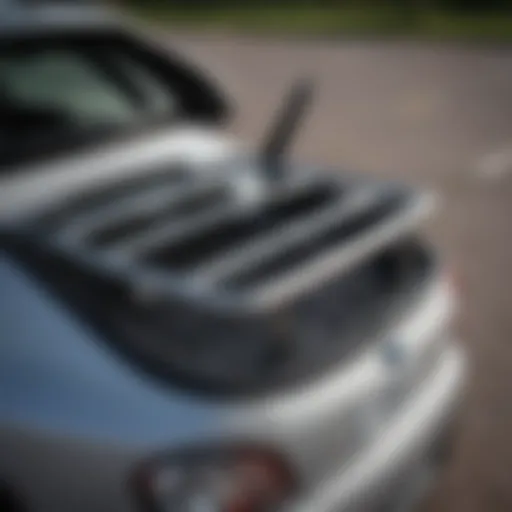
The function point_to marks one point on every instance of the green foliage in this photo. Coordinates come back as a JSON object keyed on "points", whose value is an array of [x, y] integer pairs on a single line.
{"points": [[405, 5], [419, 18]]}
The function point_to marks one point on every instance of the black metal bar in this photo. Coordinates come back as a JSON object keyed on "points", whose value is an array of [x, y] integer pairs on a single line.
{"points": [[286, 125]]}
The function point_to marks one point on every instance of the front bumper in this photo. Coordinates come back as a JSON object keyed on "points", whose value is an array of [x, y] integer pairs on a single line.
{"points": [[400, 449]]}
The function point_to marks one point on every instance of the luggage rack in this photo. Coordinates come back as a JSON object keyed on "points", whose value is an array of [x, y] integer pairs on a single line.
{"points": [[242, 240], [201, 241]]}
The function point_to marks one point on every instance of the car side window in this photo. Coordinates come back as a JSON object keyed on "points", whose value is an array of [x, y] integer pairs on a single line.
{"points": [[62, 92], [156, 97], [83, 89], [66, 82]]}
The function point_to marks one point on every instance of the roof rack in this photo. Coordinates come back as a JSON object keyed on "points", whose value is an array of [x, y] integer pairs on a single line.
{"points": [[245, 239], [195, 240]]}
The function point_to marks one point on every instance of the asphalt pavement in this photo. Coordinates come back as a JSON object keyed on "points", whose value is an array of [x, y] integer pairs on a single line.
{"points": [[438, 116]]}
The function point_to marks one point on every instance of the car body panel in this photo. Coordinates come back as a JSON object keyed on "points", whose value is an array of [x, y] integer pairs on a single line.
{"points": [[87, 394], [82, 388]]}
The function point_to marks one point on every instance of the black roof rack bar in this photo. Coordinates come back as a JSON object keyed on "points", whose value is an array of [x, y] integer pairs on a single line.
{"points": [[155, 201], [102, 194], [150, 283], [343, 257], [167, 233], [282, 239]]}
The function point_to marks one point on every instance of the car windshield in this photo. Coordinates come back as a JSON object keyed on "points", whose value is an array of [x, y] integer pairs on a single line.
{"points": [[57, 95]]}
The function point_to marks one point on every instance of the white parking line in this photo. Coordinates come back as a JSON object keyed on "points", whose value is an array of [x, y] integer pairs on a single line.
{"points": [[495, 165]]}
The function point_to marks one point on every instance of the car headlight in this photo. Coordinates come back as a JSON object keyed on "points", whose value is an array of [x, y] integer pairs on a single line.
{"points": [[241, 480]]}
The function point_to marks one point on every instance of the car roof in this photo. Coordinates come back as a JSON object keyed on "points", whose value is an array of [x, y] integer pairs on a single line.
{"points": [[19, 17]]}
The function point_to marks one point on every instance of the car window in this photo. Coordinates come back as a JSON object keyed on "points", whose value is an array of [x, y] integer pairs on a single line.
{"points": [[156, 98], [60, 92], [83, 89]]}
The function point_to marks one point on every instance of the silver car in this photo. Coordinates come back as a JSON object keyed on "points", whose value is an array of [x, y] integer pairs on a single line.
{"points": [[189, 326]]}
